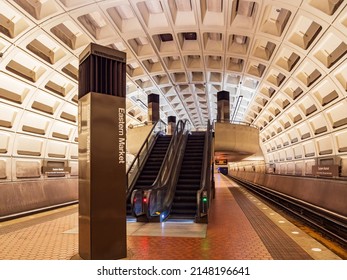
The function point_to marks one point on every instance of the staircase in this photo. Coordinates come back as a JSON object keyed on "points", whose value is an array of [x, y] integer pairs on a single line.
{"points": [[152, 166], [184, 203]]}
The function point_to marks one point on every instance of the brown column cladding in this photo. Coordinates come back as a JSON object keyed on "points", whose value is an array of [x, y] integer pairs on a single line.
{"points": [[102, 153], [223, 103], [171, 120], [102, 70], [153, 107]]}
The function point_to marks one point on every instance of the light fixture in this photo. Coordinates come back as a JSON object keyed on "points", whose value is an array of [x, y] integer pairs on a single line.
{"points": [[237, 106], [154, 6]]}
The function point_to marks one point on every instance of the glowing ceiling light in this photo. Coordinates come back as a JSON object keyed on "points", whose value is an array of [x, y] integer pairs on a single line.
{"points": [[96, 19], [154, 6], [125, 11], [141, 41]]}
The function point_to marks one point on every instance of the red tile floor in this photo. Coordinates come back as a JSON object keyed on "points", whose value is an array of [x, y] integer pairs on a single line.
{"points": [[229, 235]]}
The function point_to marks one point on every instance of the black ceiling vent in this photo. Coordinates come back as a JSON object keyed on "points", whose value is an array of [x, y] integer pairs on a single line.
{"points": [[189, 35], [166, 37]]}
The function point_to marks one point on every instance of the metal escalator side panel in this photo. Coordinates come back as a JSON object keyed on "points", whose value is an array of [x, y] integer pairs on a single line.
{"points": [[206, 193]]}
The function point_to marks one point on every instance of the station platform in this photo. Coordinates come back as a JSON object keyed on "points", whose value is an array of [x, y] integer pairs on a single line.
{"points": [[241, 227]]}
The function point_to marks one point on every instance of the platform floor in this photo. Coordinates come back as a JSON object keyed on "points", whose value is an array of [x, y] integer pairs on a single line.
{"points": [[241, 227]]}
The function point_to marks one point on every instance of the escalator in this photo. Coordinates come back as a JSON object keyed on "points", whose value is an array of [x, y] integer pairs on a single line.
{"points": [[152, 166], [184, 204]]}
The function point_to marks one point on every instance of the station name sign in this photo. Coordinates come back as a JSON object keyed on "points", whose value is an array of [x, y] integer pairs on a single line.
{"points": [[55, 171], [325, 170], [221, 161], [121, 136]]}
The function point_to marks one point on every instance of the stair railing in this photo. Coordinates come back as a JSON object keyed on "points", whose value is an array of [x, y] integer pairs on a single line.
{"points": [[137, 164], [154, 201], [206, 192]]}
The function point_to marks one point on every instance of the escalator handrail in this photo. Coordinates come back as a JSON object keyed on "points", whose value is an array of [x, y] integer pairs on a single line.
{"points": [[148, 143], [207, 173]]}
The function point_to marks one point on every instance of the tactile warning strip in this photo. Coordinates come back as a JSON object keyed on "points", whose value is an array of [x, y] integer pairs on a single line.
{"points": [[277, 242]]}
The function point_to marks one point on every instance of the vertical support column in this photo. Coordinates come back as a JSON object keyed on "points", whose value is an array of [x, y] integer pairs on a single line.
{"points": [[153, 107], [171, 120], [102, 154], [223, 103]]}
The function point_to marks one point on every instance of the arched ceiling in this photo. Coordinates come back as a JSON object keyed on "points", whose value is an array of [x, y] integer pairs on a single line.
{"points": [[286, 60]]}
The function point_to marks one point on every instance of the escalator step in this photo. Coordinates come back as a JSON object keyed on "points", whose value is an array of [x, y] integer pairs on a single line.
{"points": [[187, 188], [185, 192], [191, 171], [185, 199], [184, 206], [190, 176], [183, 211], [191, 162], [188, 181]]}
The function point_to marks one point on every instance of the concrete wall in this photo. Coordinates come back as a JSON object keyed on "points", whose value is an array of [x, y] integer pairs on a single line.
{"points": [[136, 136], [22, 196]]}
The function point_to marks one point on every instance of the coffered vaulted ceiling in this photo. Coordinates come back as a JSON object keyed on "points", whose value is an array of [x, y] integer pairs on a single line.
{"points": [[283, 62]]}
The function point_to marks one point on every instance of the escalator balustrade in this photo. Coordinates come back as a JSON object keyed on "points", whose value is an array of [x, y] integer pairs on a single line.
{"points": [[152, 166]]}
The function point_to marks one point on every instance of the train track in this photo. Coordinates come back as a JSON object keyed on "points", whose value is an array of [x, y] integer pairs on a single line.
{"points": [[328, 223]]}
